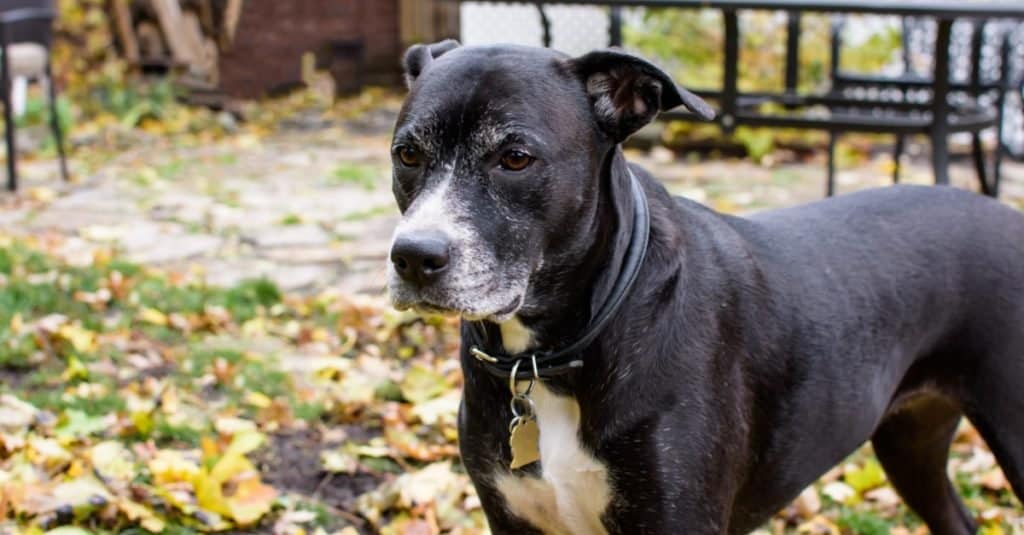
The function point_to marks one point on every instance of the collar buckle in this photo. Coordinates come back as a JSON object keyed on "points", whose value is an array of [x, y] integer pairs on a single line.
{"points": [[481, 356]]}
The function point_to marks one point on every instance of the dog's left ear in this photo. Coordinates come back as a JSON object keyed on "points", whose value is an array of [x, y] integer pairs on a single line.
{"points": [[419, 56], [627, 92]]}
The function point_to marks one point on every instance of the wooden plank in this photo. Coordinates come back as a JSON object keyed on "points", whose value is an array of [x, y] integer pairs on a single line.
{"points": [[168, 13], [126, 30], [232, 14]]}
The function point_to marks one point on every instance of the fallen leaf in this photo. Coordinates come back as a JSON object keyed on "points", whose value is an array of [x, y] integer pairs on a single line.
{"points": [[421, 384], [808, 503], [865, 477], [839, 492]]}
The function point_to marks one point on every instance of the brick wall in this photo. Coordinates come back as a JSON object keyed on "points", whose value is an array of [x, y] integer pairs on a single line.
{"points": [[273, 35]]}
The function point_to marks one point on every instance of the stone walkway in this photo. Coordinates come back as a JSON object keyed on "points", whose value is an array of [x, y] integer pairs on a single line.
{"points": [[311, 208]]}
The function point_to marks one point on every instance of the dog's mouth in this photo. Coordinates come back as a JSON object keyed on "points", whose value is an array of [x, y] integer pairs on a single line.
{"points": [[503, 314]]}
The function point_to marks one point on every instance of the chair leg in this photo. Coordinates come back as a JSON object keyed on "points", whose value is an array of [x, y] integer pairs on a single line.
{"points": [[997, 170], [55, 124], [940, 157], [1001, 148], [830, 185], [897, 157], [978, 153], [7, 114], [9, 135]]}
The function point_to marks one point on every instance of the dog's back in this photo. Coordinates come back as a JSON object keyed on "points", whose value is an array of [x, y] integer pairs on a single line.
{"points": [[948, 253]]}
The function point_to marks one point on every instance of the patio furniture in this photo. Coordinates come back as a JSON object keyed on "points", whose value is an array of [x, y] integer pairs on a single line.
{"points": [[979, 67], [940, 113], [26, 34]]}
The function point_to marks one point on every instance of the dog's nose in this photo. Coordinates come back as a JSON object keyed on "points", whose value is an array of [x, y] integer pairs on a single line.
{"points": [[420, 257]]}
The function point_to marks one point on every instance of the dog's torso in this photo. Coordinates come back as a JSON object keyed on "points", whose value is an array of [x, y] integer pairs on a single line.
{"points": [[754, 355]]}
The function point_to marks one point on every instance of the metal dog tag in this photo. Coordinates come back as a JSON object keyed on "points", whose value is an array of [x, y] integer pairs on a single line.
{"points": [[524, 440]]}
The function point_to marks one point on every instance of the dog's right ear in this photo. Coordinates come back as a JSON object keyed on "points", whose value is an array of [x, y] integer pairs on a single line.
{"points": [[627, 91], [419, 56]]}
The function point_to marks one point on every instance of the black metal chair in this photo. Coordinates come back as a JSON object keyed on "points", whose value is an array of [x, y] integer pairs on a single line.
{"points": [[980, 75], [26, 35]]}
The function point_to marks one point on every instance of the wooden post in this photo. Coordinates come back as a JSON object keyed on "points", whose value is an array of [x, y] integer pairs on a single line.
{"points": [[425, 21]]}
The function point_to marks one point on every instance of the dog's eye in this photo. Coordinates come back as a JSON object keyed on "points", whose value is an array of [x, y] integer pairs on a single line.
{"points": [[409, 156], [516, 160]]}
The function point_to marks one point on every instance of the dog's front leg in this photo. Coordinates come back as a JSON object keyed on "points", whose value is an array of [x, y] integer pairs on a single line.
{"points": [[672, 475], [485, 455], [499, 514], [693, 515]]}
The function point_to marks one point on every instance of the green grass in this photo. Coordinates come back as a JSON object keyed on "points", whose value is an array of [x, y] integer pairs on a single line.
{"points": [[291, 219], [369, 213], [863, 523], [364, 176]]}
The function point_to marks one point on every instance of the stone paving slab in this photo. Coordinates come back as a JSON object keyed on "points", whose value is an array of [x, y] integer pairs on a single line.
{"points": [[276, 237]]}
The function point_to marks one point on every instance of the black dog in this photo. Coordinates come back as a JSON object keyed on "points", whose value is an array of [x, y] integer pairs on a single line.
{"points": [[688, 372]]}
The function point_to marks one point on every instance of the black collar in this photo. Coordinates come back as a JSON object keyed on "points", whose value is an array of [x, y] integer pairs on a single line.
{"points": [[545, 364]]}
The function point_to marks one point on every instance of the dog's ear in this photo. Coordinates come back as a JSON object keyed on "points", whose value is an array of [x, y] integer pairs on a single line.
{"points": [[627, 91], [419, 56]]}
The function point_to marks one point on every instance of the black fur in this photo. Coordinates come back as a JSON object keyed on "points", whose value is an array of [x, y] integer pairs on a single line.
{"points": [[753, 354]]}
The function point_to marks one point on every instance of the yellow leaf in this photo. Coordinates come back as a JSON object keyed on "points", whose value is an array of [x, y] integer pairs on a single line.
{"points": [[245, 442], [209, 447], [169, 466], [209, 484], [258, 399], [866, 477], [83, 340], [154, 316], [143, 422], [75, 469], [421, 384], [74, 371], [228, 467], [319, 334], [208, 494]]}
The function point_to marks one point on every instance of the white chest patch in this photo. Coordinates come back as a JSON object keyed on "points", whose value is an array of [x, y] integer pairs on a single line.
{"points": [[573, 491]]}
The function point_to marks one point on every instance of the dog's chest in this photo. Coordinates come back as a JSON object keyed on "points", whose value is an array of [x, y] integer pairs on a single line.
{"points": [[572, 492]]}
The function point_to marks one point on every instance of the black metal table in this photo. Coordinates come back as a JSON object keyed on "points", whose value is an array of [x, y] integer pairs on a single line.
{"points": [[935, 118]]}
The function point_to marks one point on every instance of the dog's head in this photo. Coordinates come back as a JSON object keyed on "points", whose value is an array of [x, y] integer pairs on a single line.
{"points": [[497, 156]]}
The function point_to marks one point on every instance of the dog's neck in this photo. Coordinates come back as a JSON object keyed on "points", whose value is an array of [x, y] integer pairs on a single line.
{"points": [[567, 289]]}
